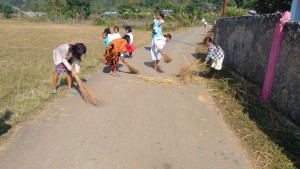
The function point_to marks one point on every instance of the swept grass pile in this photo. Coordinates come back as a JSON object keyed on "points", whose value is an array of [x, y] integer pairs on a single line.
{"points": [[158, 80]]}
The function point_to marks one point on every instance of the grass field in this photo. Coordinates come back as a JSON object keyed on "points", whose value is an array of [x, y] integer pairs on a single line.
{"points": [[27, 67]]}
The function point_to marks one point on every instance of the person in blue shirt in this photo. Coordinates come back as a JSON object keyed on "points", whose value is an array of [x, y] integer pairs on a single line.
{"points": [[157, 26]]}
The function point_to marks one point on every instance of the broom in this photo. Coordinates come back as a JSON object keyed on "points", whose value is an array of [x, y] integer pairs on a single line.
{"points": [[86, 92], [131, 69], [167, 58]]}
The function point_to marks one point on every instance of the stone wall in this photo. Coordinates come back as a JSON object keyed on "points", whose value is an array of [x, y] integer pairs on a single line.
{"points": [[247, 42]]}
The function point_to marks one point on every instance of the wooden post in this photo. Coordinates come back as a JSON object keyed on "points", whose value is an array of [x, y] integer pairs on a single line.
{"points": [[224, 8]]}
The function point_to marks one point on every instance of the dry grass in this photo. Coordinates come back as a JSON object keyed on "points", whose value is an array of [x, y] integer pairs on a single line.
{"points": [[158, 80], [87, 93], [27, 67], [270, 140]]}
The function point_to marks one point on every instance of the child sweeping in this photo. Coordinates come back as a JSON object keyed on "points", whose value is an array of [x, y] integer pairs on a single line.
{"points": [[64, 56], [216, 54], [130, 47], [157, 26], [113, 52], [158, 44]]}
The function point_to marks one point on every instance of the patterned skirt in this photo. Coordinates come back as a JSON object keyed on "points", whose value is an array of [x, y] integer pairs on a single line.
{"points": [[111, 57]]}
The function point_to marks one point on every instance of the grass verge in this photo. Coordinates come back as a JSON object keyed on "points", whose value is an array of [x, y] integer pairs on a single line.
{"points": [[270, 140]]}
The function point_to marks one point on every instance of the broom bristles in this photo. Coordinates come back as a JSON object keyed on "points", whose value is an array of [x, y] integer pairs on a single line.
{"points": [[132, 69], [167, 58], [86, 92]]}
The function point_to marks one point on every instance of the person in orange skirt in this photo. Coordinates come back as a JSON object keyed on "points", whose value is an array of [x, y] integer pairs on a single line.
{"points": [[130, 47], [113, 52]]}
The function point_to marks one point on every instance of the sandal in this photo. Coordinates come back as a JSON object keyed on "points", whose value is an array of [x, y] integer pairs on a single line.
{"points": [[53, 91], [72, 91]]}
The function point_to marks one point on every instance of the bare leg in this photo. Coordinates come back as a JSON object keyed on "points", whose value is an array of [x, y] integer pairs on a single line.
{"points": [[55, 77], [156, 64], [69, 79]]}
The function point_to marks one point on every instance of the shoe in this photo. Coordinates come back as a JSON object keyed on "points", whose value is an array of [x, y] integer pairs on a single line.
{"points": [[54, 91], [72, 91]]}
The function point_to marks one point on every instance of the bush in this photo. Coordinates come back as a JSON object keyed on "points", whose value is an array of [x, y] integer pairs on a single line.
{"points": [[233, 11], [7, 10]]}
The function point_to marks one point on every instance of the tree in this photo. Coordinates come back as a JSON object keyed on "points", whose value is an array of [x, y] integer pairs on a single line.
{"points": [[270, 6], [78, 8], [123, 7], [7, 10]]}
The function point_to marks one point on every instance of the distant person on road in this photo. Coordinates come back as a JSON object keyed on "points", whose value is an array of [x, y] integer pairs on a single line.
{"points": [[113, 52], [159, 44], [205, 24], [129, 48], [157, 26], [64, 56], [116, 33], [216, 54]]}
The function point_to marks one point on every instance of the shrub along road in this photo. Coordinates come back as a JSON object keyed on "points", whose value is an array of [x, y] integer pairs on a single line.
{"points": [[139, 125]]}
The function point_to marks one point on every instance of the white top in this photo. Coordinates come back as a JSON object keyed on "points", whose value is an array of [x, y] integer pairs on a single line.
{"points": [[115, 36], [60, 55], [110, 37], [131, 37], [160, 42]]}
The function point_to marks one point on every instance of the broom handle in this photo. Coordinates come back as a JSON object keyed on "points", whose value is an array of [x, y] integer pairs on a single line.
{"points": [[160, 51]]}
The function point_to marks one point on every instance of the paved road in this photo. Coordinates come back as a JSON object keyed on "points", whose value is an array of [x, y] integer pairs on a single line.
{"points": [[139, 126]]}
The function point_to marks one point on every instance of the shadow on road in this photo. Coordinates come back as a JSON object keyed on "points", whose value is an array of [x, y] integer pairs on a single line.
{"points": [[147, 48], [149, 64], [184, 42]]}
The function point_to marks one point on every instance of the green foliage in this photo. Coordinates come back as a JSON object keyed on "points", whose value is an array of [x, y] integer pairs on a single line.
{"points": [[269, 6], [78, 8], [233, 11], [231, 3], [211, 17], [126, 7], [7, 10]]}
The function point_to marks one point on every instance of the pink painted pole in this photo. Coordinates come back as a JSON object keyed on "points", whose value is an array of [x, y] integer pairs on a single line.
{"points": [[274, 56]]}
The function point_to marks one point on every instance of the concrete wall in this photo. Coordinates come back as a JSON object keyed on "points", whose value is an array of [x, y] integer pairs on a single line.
{"points": [[247, 43]]}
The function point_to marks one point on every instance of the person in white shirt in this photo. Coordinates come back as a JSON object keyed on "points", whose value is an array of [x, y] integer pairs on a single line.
{"points": [[130, 47], [116, 33], [64, 56], [159, 43]]}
